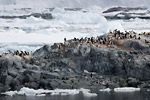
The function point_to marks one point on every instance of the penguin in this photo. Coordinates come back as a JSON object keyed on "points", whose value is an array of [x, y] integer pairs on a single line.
{"points": [[130, 36], [146, 41], [17, 52], [9, 52], [65, 39], [103, 42], [25, 53], [135, 37], [75, 39], [91, 75], [59, 46], [92, 40], [139, 38]]}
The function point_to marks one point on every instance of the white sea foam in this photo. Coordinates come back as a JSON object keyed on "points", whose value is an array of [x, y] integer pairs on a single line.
{"points": [[41, 92], [126, 89]]}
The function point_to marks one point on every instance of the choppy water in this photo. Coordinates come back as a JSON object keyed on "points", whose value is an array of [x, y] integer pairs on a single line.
{"points": [[101, 96]]}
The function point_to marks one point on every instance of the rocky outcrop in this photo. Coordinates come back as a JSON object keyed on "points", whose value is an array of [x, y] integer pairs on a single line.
{"points": [[126, 13], [37, 15], [78, 63]]}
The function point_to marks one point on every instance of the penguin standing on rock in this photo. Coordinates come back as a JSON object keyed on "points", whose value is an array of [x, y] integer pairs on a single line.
{"points": [[16, 52], [139, 38], [65, 39], [75, 39]]}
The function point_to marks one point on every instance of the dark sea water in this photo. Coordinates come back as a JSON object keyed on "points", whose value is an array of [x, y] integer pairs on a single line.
{"points": [[100, 96]]}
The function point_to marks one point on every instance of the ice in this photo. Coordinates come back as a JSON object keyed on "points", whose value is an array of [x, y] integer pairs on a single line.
{"points": [[41, 95], [86, 93], [58, 10], [115, 25], [126, 89], [10, 93], [137, 25], [41, 92], [94, 9], [78, 17], [105, 90]]}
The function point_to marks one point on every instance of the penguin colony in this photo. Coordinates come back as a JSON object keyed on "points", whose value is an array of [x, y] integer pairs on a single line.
{"points": [[115, 38], [18, 53]]}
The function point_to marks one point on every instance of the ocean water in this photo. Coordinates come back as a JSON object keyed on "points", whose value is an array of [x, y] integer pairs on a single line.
{"points": [[80, 96]]}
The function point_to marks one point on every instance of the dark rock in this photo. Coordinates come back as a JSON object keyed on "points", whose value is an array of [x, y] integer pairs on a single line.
{"points": [[8, 80], [113, 85], [12, 73], [132, 82], [44, 83], [34, 85], [27, 78], [135, 45], [38, 15]]}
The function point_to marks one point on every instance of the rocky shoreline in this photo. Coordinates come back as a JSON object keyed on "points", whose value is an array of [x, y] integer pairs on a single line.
{"points": [[112, 60]]}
